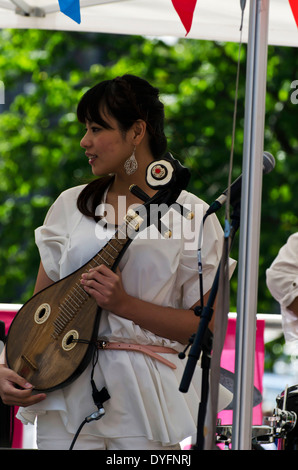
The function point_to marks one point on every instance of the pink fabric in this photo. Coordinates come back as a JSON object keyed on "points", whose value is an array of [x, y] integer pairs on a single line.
{"points": [[17, 442], [7, 317], [228, 363]]}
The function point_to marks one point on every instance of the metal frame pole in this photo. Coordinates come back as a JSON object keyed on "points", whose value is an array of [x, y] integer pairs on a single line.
{"points": [[250, 223]]}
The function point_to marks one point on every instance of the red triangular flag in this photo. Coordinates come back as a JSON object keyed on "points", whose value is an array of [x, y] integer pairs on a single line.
{"points": [[294, 6], [185, 10]]}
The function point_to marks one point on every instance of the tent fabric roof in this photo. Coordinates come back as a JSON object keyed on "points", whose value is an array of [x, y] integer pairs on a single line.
{"points": [[213, 19]]}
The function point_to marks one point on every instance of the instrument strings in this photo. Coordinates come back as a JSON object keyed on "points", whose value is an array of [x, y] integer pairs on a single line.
{"points": [[77, 296]]}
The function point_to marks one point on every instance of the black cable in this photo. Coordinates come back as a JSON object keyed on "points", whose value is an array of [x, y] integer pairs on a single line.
{"points": [[77, 433], [98, 397]]}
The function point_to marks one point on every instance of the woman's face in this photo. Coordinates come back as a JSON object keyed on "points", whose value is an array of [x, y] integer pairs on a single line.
{"points": [[106, 149]]}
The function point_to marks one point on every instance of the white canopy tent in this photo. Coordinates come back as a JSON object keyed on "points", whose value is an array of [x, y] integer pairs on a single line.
{"points": [[213, 20]]}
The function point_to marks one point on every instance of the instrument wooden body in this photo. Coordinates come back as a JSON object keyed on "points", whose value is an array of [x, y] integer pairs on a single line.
{"points": [[50, 340], [33, 350]]}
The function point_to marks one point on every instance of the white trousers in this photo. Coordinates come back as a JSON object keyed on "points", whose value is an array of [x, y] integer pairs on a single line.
{"points": [[52, 435]]}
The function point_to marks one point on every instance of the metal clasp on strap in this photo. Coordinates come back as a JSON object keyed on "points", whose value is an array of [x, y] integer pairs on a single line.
{"points": [[101, 344]]}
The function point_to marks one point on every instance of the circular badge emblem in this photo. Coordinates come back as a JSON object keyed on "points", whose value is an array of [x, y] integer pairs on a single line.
{"points": [[159, 173]]}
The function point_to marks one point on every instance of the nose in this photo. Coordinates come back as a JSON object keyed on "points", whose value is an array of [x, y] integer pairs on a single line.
{"points": [[85, 141]]}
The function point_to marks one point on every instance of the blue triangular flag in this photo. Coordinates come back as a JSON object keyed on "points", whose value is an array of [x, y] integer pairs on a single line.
{"points": [[71, 8]]}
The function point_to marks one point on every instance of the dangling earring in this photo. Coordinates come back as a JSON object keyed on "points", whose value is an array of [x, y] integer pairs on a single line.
{"points": [[131, 164]]}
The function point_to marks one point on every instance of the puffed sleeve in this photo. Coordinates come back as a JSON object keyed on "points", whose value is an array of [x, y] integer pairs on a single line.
{"points": [[282, 276], [282, 282], [211, 244], [53, 236]]}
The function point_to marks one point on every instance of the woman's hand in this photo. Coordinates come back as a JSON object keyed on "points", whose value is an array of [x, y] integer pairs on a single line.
{"points": [[15, 390], [106, 287]]}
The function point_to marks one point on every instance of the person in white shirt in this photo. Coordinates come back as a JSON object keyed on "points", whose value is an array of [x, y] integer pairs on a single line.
{"points": [[282, 281], [149, 300]]}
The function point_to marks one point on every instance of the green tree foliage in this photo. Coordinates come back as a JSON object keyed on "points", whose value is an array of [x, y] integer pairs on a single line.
{"points": [[46, 72]]}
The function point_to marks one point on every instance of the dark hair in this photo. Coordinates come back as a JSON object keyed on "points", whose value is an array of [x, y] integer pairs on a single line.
{"points": [[127, 99]]}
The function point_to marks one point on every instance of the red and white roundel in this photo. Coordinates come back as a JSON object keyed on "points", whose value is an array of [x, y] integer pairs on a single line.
{"points": [[159, 173]]}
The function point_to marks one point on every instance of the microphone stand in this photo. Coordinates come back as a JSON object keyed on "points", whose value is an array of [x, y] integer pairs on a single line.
{"points": [[202, 341]]}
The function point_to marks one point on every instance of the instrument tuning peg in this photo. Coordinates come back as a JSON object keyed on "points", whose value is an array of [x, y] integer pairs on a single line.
{"points": [[167, 233], [163, 230], [189, 215]]}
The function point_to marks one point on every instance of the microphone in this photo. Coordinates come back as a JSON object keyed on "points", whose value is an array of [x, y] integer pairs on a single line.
{"points": [[235, 189]]}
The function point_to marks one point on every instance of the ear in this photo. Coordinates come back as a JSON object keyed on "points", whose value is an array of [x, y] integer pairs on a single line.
{"points": [[139, 130]]}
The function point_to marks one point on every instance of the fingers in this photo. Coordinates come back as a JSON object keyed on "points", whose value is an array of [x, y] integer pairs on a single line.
{"points": [[104, 285], [16, 391], [98, 277], [16, 379], [22, 398], [103, 270]]}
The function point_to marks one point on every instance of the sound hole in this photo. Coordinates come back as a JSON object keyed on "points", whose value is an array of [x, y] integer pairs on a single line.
{"points": [[70, 340], [42, 313]]}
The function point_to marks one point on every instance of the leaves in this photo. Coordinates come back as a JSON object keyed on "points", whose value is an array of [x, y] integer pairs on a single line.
{"points": [[45, 73]]}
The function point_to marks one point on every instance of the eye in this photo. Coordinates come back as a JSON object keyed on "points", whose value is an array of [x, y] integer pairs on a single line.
{"points": [[96, 129]]}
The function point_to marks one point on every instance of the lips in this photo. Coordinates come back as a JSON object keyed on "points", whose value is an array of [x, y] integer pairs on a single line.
{"points": [[91, 157]]}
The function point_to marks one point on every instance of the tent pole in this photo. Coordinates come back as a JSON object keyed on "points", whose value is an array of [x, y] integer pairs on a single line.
{"points": [[256, 75]]}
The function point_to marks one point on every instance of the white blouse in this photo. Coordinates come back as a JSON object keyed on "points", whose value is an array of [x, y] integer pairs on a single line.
{"points": [[145, 397], [282, 281]]}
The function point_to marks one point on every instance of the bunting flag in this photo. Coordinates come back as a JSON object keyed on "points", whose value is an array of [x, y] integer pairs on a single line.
{"points": [[294, 7], [71, 8], [185, 10]]}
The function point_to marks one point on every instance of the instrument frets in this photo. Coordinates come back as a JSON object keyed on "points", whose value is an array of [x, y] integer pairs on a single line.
{"points": [[108, 255]]}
